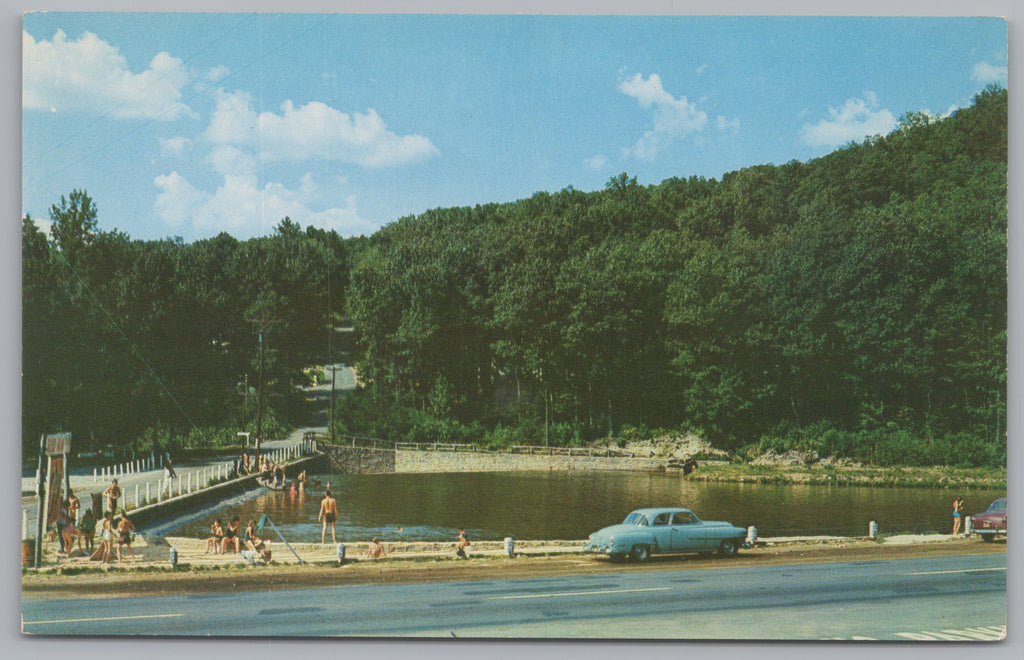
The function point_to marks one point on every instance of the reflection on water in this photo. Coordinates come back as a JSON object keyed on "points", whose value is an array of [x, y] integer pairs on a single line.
{"points": [[570, 505]]}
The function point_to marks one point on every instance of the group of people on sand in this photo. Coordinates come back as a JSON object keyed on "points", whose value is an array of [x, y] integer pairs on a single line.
{"points": [[232, 538], [76, 528]]}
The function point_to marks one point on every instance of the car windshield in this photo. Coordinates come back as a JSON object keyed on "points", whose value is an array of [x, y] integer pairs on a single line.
{"points": [[999, 505], [636, 518]]}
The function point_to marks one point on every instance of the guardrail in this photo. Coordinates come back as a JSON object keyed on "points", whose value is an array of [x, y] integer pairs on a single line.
{"points": [[377, 443], [442, 446], [569, 451]]}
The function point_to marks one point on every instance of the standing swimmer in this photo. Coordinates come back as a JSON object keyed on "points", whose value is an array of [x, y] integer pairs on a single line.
{"points": [[328, 514]]}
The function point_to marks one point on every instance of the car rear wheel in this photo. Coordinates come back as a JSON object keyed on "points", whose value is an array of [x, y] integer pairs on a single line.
{"points": [[728, 548], [617, 557], [987, 538], [640, 553]]}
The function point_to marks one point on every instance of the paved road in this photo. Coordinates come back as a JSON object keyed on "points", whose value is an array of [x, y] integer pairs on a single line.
{"points": [[907, 599]]}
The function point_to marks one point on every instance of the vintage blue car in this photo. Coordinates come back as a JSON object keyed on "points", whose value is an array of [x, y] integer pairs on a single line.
{"points": [[666, 530]]}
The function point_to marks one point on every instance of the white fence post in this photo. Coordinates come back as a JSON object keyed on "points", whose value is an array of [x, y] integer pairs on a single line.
{"points": [[147, 492], [24, 524], [190, 482], [94, 475], [136, 496]]}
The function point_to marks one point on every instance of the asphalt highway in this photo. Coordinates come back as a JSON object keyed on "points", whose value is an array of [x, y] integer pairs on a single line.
{"points": [[941, 598]]}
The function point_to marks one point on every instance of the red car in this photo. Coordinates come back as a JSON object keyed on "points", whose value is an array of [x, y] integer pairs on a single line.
{"points": [[991, 522]]}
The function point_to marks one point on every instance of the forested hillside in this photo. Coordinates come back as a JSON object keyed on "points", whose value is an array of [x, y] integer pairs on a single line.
{"points": [[128, 343], [854, 304]]}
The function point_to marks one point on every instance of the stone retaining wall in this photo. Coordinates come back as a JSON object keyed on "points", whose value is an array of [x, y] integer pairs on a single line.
{"points": [[427, 461], [361, 460], [364, 460]]}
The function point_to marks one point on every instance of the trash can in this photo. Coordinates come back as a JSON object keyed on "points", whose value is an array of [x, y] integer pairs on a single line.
{"points": [[28, 552]]}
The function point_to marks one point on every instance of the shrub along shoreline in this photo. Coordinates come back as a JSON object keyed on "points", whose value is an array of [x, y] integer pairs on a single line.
{"points": [[904, 477]]}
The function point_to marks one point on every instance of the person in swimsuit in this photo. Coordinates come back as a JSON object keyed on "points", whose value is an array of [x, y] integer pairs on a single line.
{"points": [[231, 536], [328, 514], [68, 534], [302, 481], [125, 529], [375, 550], [958, 508], [216, 540], [251, 539], [462, 546], [113, 492], [107, 536], [73, 506], [87, 528]]}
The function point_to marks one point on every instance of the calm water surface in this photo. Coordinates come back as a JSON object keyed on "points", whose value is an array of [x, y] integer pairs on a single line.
{"points": [[571, 505]]}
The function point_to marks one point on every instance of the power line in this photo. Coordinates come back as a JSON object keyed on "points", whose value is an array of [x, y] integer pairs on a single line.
{"points": [[133, 96], [259, 59]]}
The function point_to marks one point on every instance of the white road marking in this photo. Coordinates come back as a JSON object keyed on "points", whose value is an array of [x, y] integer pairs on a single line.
{"points": [[963, 570], [106, 618], [979, 634], [577, 593]]}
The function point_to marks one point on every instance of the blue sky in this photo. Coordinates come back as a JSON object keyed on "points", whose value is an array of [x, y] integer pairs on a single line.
{"points": [[192, 124]]}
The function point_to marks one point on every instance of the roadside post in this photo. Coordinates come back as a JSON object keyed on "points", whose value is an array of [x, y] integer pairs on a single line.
{"points": [[37, 558], [510, 547], [872, 529], [56, 448], [341, 553]]}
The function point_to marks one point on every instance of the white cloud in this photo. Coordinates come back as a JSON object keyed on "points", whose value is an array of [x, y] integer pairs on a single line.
{"points": [[724, 124], [596, 162], [177, 200], [674, 118], [227, 160], [314, 130], [987, 73], [174, 147], [857, 119], [44, 225], [90, 75], [217, 73], [241, 207]]}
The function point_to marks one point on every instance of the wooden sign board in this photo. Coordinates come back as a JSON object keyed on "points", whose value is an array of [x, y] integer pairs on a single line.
{"points": [[58, 443]]}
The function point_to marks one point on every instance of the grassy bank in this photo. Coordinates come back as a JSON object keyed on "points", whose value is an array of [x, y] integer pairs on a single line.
{"points": [[912, 477]]}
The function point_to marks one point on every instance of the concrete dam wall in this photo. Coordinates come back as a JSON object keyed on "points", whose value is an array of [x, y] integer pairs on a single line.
{"points": [[364, 460]]}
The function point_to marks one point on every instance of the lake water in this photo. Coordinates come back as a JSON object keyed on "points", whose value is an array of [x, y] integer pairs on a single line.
{"points": [[571, 505]]}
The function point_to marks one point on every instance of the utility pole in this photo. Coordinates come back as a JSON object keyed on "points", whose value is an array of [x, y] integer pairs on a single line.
{"points": [[262, 324], [245, 402], [259, 401], [37, 560], [333, 372]]}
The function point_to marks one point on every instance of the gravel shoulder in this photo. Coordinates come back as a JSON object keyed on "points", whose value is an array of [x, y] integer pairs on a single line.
{"points": [[532, 561]]}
